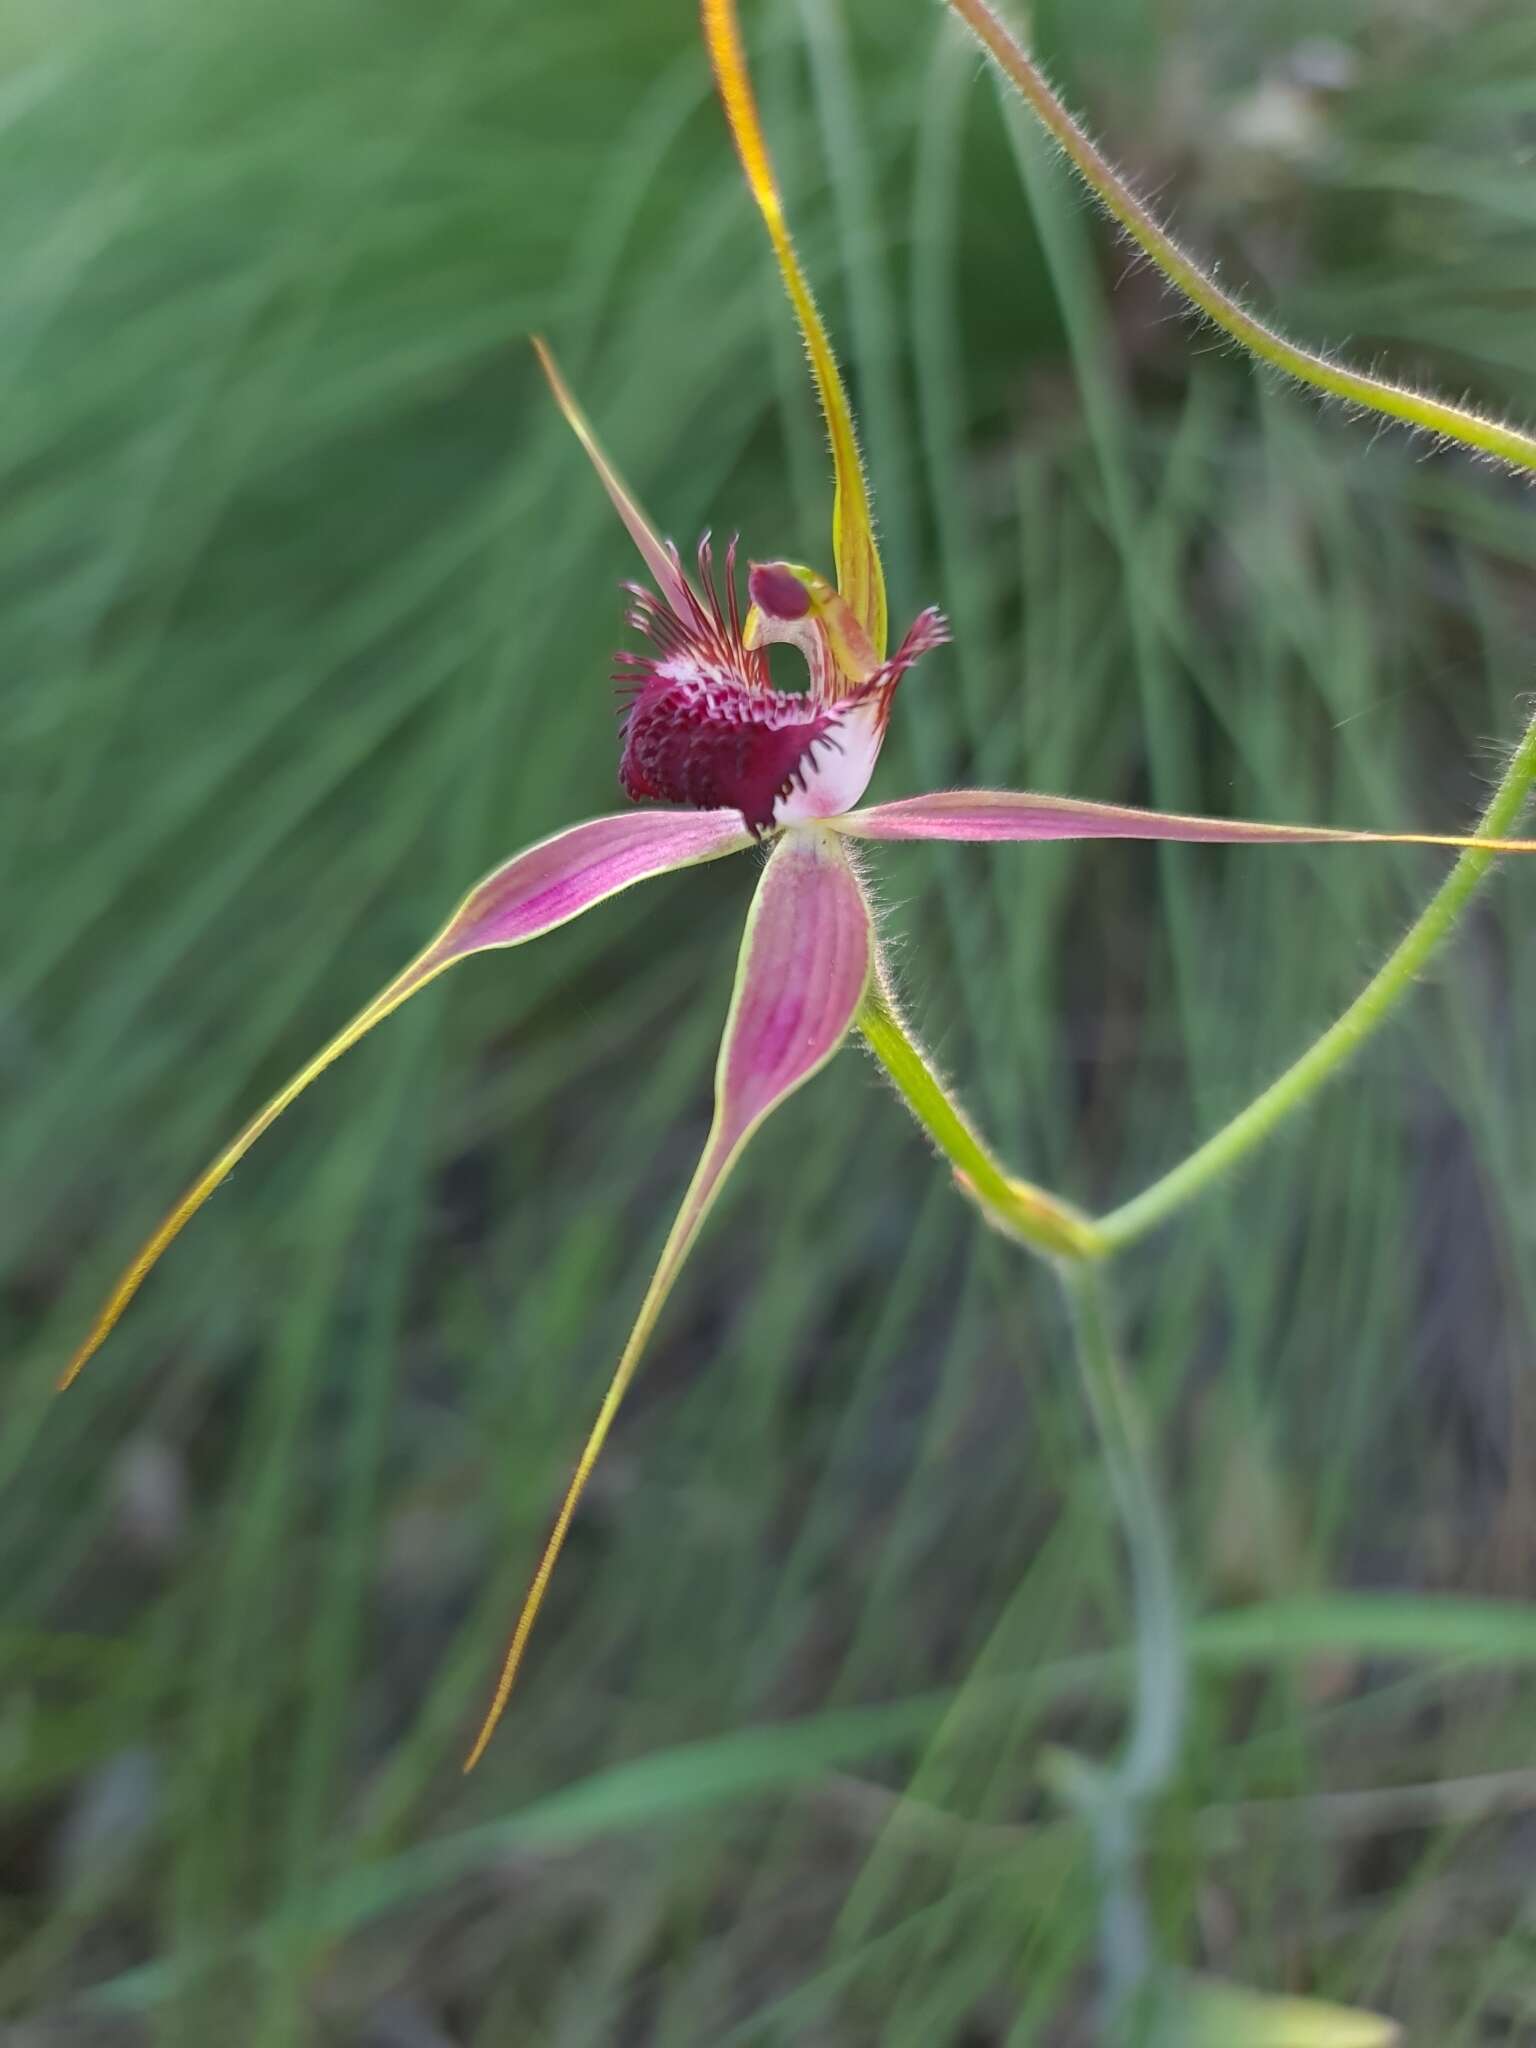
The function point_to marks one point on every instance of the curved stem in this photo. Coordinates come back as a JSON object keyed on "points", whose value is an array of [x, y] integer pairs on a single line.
{"points": [[1370, 1009], [1111, 1802], [1043, 1222], [1157, 1721], [1324, 373]]}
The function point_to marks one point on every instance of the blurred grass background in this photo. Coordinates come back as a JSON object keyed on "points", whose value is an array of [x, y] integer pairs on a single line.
{"points": [[309, 600]]}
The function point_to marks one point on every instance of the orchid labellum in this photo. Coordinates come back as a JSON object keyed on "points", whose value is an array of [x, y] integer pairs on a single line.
{"points": [[718, 761]]}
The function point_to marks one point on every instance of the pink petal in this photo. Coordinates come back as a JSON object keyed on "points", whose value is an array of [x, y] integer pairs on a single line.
{"points": [[992, 814], [804, 966], [557, 879], [528, 895]]}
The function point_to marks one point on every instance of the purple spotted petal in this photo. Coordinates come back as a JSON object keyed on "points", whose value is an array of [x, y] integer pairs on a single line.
{"points": [[992, 814], [804, 966], [528, 895]]}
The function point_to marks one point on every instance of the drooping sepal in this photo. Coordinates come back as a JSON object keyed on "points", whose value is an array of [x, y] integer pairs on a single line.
{"points": [[533, 893], [802, 972]]}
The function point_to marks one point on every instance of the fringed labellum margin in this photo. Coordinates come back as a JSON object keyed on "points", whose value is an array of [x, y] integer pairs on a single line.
{"points": [[705, 724]]}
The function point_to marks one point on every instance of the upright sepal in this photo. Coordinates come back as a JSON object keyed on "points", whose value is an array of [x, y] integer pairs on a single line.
{"points": [[860, 578], [802, 973], [659, 558], [529, 895]]}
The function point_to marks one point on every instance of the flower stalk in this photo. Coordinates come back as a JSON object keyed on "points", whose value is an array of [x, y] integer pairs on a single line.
{"points": [[1111, 1802], [1293, 1090], [1419, 410], [1012, 1206], [1463, 425]]}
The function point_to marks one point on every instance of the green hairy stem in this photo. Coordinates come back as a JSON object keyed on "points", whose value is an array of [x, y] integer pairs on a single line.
{"points": [[1419, 410], [1416, 409], [1110, 1803], [1294, 1089], [1044, 1222]]}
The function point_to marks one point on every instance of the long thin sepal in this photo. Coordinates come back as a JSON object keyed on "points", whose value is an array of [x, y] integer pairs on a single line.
{"points": [[545, 886], [1417, 409], [995, 814], [860, 577], [659, 558], [802, 972]]}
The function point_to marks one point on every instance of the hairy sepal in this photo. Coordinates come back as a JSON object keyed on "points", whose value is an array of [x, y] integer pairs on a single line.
{"points": [[860, 577], [533, 893], [802, 973], [659, 556], [980, 816]]}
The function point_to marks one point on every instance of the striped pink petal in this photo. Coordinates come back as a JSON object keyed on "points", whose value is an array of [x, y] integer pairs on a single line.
{"points": [[993, 814], [530, 894], [804, 966], [552, 882]]}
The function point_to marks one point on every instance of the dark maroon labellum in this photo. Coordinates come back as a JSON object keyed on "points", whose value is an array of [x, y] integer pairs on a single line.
{"points": [[707, 741], [706, 726]]}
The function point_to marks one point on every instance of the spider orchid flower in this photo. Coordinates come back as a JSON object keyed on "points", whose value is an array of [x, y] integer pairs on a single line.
{"points": [[742, 765]]}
